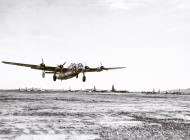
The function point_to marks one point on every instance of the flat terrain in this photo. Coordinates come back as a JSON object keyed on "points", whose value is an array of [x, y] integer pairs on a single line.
{"points": [[58, 116]]}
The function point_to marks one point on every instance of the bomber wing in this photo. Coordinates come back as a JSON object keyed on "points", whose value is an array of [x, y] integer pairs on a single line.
{"points": [[37, 67], [102, 68]]}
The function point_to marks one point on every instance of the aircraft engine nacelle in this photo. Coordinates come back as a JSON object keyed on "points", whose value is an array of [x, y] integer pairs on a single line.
{"points": [[101, 68], [86, 67]]}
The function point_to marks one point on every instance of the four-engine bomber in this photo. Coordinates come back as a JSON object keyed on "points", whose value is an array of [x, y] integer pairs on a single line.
{"points": [[62, 73]]}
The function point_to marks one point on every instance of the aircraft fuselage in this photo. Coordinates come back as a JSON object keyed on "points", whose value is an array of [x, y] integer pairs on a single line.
{"points": [[66, 75]]}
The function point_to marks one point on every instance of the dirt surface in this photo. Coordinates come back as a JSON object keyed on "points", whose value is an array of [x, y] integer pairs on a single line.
{"points": [[57, 116]]}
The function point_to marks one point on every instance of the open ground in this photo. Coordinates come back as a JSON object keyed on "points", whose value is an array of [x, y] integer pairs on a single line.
{"points": [[80, 115]]}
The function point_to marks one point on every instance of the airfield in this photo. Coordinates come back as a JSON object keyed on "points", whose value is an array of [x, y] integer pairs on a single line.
{"points": [[89, 116]]}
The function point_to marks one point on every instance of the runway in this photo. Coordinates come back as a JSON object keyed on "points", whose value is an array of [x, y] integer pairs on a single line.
{"points": [[80, 115]]}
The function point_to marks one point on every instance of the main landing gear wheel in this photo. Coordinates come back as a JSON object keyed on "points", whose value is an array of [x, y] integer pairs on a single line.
{"points": [[54, 78], [84, 78], [43, 74]]}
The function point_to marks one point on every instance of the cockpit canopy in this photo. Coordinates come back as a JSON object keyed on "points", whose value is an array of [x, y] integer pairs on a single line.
{"points": [[77, 66]]}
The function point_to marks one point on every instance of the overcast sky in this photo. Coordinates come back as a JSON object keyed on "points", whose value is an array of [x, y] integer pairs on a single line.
{"points": [[150, 37]]}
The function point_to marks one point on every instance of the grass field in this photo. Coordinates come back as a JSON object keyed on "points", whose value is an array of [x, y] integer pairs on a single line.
{"points": [[57, 116]]}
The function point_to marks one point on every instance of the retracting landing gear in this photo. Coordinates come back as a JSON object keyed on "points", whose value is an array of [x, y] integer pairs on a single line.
{"points": [[54, 77], [43, 74], [84, 78]]}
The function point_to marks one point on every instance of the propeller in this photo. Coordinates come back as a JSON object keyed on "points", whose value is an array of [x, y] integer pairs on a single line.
{"points": [[61, 66], [102, 67], [43, 68], [42, 64]]}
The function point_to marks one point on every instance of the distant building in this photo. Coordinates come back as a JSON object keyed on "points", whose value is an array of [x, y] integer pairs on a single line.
{"points": [[153, 91], [94, 89], [159, 91], [113, 88]]}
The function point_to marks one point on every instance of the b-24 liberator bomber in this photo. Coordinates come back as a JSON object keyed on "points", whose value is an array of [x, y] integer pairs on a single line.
{"points": [[60, 72]]}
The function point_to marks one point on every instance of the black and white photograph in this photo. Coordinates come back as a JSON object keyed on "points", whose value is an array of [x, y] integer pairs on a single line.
{"points": [[94, 70]]}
